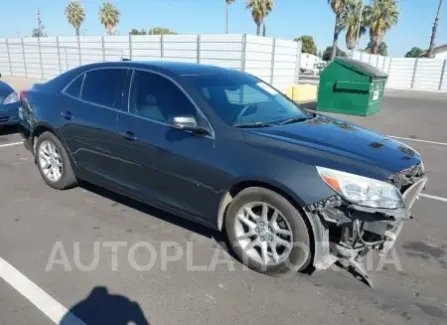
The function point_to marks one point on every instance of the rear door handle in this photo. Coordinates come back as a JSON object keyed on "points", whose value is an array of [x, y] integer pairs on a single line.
{"points": [[129, 135], [67, 115]]}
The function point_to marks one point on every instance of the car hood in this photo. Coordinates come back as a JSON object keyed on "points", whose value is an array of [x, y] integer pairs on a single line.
{"points": [[342, 138]]}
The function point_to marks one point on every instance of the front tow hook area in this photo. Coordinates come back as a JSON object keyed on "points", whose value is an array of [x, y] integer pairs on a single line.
{"points": [[351, 260]]}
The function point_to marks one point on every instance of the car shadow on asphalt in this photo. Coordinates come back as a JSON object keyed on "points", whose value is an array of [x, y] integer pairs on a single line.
{"points": [[189, 225], [102, 308], [8, 130], [218, 236]]}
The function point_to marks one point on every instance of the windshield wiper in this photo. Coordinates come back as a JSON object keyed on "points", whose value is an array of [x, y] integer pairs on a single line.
{"points": [[253, 125], [295, 119]]}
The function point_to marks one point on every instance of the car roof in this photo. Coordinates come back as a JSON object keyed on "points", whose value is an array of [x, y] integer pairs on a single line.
{"points": [[176, 68]]}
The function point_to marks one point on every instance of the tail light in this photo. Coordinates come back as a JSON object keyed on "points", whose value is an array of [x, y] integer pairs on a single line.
{"points": [[22, 95], [25, 106]]}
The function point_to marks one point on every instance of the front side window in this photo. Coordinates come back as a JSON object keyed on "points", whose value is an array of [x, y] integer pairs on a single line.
{"points": [[101, 86], [240, 99], [157, 98]]}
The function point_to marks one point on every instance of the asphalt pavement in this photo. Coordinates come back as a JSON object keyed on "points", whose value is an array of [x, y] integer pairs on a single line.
{"points": [[87, 251]]}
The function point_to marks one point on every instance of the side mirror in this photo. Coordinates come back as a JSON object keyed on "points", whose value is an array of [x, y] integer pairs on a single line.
{"points": [[188, 123]]}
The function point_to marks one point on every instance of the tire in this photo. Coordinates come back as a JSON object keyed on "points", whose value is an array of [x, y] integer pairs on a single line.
{"points": [[294, 258], [67, 178]]}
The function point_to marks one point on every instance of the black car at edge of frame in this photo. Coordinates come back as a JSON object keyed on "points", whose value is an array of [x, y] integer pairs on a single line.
{"points": [[292, 189], [9, 105]]}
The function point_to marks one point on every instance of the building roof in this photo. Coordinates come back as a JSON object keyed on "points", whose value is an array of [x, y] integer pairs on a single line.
{"points": [[440, 49]]}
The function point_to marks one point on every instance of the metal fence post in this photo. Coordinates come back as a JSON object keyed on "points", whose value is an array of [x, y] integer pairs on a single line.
{"points": [[24, 57], [361, 56], [389, 66], [273, 62], [244, 53], [59, 54], [243, 65], [199, 39], [377, 61], [443, 72], [103, 49], [130, 46], [66, 59], [79, 51], [414, 73], [298, 62], [9, 57], [40, 57], [383, 65], [162, 50]]}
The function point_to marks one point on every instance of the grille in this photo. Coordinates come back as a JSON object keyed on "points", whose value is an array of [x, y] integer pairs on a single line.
{"points": [[4, 119]]}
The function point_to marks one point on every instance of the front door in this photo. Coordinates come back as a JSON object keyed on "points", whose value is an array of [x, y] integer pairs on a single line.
{"points": [[169, 165]]}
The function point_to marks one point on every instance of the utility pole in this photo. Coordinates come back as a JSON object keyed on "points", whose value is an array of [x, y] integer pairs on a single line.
{"points": [[39, 23], [434, 31], [357, 40]]}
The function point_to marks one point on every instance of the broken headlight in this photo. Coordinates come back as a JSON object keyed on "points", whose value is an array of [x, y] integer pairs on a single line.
{"points": [[361, 190], [11, 98]]}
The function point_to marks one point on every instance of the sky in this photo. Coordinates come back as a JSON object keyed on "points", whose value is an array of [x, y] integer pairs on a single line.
{"points": [[290, 19]]}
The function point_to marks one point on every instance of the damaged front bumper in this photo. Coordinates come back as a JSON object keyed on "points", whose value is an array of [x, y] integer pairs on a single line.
{"points": [[346, 232]]}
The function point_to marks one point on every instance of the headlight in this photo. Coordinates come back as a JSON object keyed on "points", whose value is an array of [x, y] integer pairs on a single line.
{"points": [[362, 191], [11, 98]]}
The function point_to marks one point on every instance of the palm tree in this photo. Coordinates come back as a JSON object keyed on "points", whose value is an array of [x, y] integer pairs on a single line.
{"points": [[435, 29], [380, 16], [229, 2], [109, 16], [337, 8], [351, 20], [259, 10], [75, 15]]}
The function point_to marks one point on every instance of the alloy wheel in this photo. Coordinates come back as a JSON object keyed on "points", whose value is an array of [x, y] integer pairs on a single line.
{"points": [[50, 161], [263, 233]]}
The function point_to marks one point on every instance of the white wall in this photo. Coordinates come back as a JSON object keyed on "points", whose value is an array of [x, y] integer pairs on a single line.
{"points": [[274, 61], [410, 73], [442, 55]]}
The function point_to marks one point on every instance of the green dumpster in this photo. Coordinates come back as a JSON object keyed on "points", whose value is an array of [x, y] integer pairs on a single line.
{"points": [[350, 86]]}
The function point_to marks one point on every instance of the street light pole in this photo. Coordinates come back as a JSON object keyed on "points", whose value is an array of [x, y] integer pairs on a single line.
{"points": [[358, 28]]}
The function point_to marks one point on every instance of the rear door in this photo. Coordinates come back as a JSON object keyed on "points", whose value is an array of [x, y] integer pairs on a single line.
{"points": [[90, 110]]}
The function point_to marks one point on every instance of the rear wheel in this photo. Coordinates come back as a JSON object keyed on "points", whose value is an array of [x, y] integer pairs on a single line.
{"points": [[267, 232], [53, 162]]}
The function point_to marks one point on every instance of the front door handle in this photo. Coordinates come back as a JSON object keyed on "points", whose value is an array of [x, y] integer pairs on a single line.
{"points": [[67, 115], [129, 135]]}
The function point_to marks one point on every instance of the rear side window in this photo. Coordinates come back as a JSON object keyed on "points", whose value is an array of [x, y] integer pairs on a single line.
{"points": [[102, 86], [75, 87]]}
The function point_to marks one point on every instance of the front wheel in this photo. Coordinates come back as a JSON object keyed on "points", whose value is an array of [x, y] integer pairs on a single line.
{"points": [[53, 162], [267, 232]]}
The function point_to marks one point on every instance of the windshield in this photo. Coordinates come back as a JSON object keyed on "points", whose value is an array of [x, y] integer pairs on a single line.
{"points": [[241, 99]]}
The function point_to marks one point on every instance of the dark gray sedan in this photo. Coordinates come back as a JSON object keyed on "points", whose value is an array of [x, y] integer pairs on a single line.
{"points": [[292, 189], [9, 105]]}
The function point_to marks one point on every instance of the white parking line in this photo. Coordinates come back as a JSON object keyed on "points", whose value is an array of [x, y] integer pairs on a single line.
{"points": [[10, 144], [39, 298], [418, 140], [433, 197]]}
